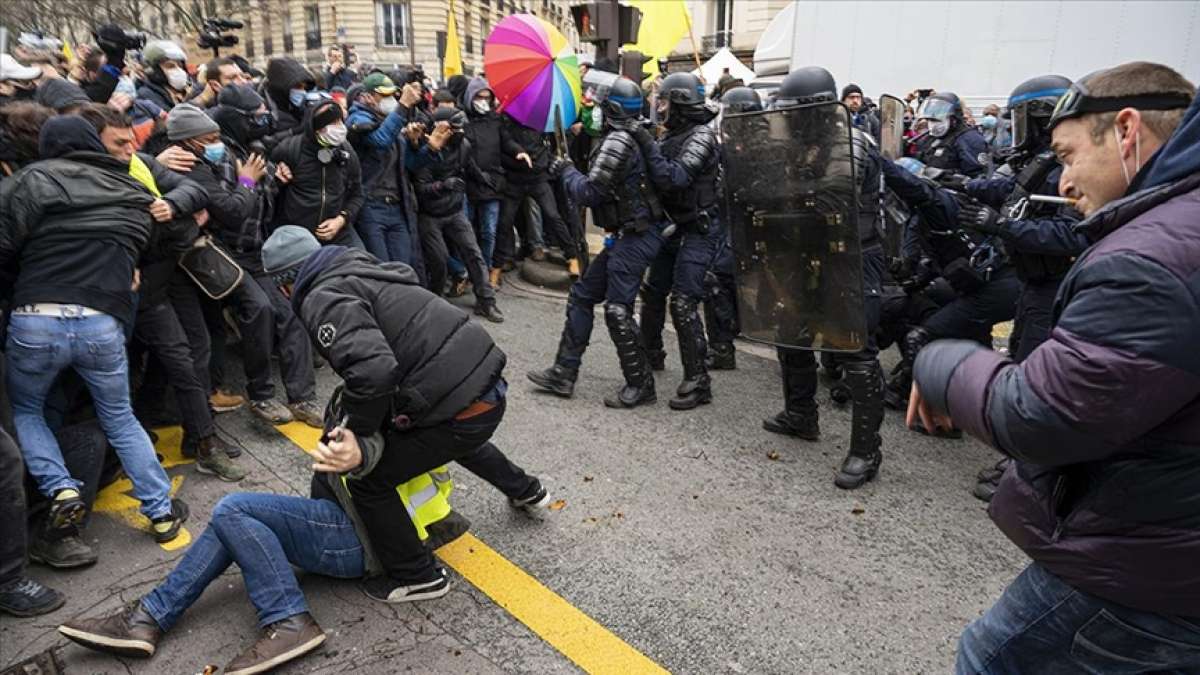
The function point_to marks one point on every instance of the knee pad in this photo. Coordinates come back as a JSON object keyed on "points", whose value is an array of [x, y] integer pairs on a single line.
{"points": [[616, 314]]}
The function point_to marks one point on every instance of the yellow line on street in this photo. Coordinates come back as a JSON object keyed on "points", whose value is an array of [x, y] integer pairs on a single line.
{"points": [[577, 636]]}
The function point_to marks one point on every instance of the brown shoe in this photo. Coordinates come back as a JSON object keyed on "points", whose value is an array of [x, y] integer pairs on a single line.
{"points": [[223, 401], [495, 278], [573, 268], [129, 632], [307, 412], [279, 643], [458, 287], [539, 254]]}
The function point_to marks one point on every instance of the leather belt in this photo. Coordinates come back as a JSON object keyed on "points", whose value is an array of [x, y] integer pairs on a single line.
{"points": [[56, 309], [475, 409]]}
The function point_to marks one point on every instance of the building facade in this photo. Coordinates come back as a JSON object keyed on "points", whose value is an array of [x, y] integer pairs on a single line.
{"points": [[737, 24]]}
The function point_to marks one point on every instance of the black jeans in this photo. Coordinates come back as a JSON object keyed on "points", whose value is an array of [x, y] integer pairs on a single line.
{"points": [[514, 197], [455, 228], [12, 509], [411, 453], [159, 328]]}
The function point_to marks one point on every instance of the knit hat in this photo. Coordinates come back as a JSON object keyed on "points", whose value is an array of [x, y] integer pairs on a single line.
{"points": [[240, 96], [850, 89], [60, 95], [187, 121], [285, 250]]}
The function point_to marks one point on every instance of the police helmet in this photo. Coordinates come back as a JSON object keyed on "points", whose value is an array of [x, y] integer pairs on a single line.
{"points": [[741, 100], [624, 101], [682, 88], [810, 84], [941, 106], [1030, 106]]}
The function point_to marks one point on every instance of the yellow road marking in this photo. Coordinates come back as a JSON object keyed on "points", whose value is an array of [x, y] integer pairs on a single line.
{"points": [[574, 634], [115, 501]]}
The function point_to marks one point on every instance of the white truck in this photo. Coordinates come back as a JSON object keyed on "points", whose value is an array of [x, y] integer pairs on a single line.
{"points": [[980, 50]]}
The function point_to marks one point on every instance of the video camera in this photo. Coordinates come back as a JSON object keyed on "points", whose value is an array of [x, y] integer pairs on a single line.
{"points": [[114, 38], [212, 37]]}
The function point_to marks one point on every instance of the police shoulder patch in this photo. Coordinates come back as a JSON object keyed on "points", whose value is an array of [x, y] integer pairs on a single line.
{"points": [[326, 332]]}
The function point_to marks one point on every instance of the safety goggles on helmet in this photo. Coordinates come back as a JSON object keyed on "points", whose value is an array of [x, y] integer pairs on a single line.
{"points": [[936, 109], [1078, 102]]}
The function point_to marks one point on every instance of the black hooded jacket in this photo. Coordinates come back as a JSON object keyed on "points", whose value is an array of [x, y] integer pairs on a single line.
{"points": [[483, 132], [404, 353], [283, 75], [516, 138], [318, 190], [436, 194]]}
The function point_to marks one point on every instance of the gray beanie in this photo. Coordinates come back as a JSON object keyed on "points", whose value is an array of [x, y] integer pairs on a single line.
{"points": [[187, 121], [286, 249]]}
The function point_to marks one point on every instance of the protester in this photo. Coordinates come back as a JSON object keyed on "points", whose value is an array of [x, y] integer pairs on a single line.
{"points": [[20, 595], [860, 115], [484, 197], [167, 81], [286, 89], [20, 124], [1101, 495]]}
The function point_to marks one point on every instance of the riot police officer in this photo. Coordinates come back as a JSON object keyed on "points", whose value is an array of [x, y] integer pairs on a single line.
{"points": [[949, 142], [862, 373], [684, 168], [627, 209]]}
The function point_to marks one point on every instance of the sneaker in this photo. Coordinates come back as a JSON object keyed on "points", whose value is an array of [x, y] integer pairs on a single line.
{"points": [[62, 550], [386, 589], [223, 401], [129, 632], [488, 310], [166, 528], [212, 459], [446, 530], [307, 412], [25, 597], [66, 509], [278, 643], [458, 287], [536, 506], [271, 410]]}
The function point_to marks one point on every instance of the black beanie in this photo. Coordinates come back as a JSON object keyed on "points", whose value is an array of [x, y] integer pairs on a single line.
{"points": [[328, 114], [850, 89]]}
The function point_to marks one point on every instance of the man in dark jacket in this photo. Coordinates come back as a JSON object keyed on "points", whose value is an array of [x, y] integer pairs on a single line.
{"points": [[441, 194], [525, 159], [167, 80], [286, 89], [72, 229], [418, 371], [1101, 418], [484, 197], [234, 200], [322, 180]]}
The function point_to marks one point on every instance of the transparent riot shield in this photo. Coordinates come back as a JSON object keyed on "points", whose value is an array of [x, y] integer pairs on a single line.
{"points": [[791, 194], [891, 120]]}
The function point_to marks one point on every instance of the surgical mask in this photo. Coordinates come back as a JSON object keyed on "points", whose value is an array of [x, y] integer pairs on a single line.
{"points": [[126, 86], [1137, 155], [482, 106], [988, 122], [214, 152], [334, 134], [939, 128], [177, 78], [296, 96], [387, 104], [598, 117]]}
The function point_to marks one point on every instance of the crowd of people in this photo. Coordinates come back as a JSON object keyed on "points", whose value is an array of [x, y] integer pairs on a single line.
{"points": [[152, 215]]}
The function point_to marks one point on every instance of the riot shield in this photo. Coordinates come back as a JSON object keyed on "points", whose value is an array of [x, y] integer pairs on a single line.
{"points": [[791, 194], [891, 125]]}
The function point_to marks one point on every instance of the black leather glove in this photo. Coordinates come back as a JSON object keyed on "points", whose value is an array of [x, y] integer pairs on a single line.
{"points": [[454, 184], [952, 181], [980, 218], [558, 166], [642, 136]]}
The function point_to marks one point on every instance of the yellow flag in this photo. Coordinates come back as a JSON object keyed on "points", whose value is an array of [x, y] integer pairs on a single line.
{"points": [[66, 50], [453, 61], [664, 24]]}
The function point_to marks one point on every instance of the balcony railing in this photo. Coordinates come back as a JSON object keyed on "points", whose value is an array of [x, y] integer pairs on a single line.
{"points": [[714, 41]]}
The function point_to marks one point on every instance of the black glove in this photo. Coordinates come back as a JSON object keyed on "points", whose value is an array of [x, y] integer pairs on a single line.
{"points": [[952, 181], [454, 184], [980, 218], [642, 136], [558, 166]]}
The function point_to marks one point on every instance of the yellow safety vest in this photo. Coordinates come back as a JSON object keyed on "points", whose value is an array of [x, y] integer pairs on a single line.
{"points": [[426, 498], [141, 173]]}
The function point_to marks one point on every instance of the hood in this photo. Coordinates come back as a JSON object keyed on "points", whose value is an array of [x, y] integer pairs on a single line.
{"points": [[476, 85], [457, 85], [284, 74], [339, 261], [1180, 156], [68, 133]]}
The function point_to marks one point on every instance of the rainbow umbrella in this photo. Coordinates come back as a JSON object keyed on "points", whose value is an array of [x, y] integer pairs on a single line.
{"points": [[533, 71]]}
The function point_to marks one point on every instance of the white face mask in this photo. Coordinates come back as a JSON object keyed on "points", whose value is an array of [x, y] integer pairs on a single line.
{"points": [[387, 104], [177, 78], [1137, 155], [482, 105], [334, 134]]}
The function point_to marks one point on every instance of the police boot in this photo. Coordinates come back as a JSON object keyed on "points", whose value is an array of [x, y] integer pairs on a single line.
{"points": [[799, 417], [653, 317], [559, 379], [635, 365], [899, 386], [862, 462], [721, 356], [696, 388]]}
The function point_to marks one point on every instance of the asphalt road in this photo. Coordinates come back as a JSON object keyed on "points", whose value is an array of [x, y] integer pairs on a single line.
{"points": [[702, 541]]}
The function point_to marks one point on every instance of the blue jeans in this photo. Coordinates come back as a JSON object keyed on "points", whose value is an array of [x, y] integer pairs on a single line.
{"points": [[265, 535], [1043, 625], [483, 215], [39, 348], [386, 232]]}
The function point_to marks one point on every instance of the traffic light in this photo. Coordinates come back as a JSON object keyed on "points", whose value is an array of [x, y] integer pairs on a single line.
{"points": [[631, 65], [607, 24], [628, 23]]}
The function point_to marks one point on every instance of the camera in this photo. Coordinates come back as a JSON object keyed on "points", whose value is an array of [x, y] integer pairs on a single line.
{"points": [[211, 36], [115, 38]]}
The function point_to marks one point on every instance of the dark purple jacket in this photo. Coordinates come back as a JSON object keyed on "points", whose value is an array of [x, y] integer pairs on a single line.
{"points": [[1104, 417]]}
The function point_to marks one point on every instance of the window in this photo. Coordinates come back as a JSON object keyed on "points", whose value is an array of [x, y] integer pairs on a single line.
{"points": [[268, 41], [485, 28], [391, 24], [470, 43], [285, 17], [312, 27], [249, 38]]}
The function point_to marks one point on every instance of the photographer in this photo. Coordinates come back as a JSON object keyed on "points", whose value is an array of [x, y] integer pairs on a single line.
{"points": [[167, 82], [101, 80], [337, 74]]}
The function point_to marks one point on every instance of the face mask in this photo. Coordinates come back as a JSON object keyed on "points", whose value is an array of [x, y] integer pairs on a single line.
{"points": [[387, 104], [482, 106], [1137, 155], [178, 79], [598, 116], [988, 122], [332, 135], [296, 96], [214, 152], [939, 128]]}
